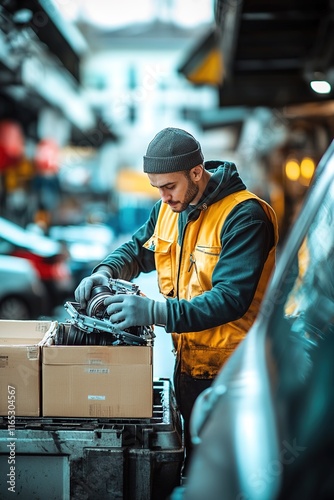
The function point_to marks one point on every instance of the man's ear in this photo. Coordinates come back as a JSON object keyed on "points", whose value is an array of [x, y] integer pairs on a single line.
{"points": [[196, 173]]}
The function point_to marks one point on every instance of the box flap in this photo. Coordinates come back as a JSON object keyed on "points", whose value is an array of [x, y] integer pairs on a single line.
{"points": [[22, 332]]}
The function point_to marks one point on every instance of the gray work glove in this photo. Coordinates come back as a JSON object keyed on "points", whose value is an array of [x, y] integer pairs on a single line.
{"points": [[84, 289], [135, 310]]}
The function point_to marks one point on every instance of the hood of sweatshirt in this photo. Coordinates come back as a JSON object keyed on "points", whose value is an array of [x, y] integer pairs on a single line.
{"points": [[224, 180]]}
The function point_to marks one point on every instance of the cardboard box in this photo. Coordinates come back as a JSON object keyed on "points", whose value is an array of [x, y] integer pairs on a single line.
{"points": [[20, 366], [97, 381]]}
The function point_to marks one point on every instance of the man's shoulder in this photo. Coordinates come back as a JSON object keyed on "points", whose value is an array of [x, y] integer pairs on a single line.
{"points": [[251, 208]]}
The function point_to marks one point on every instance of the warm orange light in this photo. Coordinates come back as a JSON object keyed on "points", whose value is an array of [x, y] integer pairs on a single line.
{"points": [[292, 170], [307, 167]]}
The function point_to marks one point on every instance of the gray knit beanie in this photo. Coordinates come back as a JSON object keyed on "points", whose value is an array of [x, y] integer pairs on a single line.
{"points": [[172, 150]]}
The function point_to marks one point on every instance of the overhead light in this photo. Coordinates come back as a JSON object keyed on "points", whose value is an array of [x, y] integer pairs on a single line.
{"points": [[292, 169], [301, 171], [321, 86], [319, 82], [307, 167]]}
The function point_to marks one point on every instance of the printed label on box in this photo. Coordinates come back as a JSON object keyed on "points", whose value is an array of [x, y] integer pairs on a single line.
{"points": [[97, 398], [97, 370], [32, 352]]}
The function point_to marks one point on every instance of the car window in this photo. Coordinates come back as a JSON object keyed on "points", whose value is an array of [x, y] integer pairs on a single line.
{"points": [[302, 324]]}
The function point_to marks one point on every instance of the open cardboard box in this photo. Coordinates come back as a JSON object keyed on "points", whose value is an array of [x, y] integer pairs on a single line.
{"points": [[20, 366]]}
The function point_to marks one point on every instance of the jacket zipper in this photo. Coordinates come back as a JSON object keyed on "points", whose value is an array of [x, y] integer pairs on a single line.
{"points": [[200, 249], [192, 262], [179, 263]]}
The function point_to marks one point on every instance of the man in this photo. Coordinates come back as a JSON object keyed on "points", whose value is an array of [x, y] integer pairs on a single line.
{"points": [[213, 245]]}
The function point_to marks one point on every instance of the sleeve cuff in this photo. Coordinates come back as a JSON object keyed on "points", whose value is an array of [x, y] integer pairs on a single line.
{"points": [[104, 270], [160, 313]]}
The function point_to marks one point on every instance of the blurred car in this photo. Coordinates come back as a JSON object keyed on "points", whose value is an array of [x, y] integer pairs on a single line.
{"points": [[264, 430], [47, 256], [22, 294], [86, 244]]}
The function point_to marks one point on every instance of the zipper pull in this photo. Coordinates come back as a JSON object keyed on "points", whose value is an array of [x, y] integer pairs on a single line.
{"points": [[192, 262]]}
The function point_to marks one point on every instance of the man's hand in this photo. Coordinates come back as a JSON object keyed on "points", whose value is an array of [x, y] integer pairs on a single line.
{"points": [[84, 289], [134, 310]]}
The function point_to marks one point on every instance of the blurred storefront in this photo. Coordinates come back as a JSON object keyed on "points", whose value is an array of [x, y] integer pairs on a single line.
{"points": [[42, 108]]}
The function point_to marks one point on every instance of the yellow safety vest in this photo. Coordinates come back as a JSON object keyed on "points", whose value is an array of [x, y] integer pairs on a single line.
{"points": [[189, 274]]}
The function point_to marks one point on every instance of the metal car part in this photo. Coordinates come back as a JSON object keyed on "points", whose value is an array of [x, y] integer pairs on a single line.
{"points": [[95, 322]]}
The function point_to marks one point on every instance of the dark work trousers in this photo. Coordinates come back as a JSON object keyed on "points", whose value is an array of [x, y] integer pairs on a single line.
{"points": [[187, 389]]}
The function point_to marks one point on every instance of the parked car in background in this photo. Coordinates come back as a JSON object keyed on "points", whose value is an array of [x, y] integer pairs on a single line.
{"points": [[22, 294], [264, 430], [86, 244], [48, 257]]}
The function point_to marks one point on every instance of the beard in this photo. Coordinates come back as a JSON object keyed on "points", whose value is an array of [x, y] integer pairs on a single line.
{"points": [[191, 193]]}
